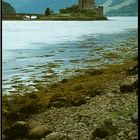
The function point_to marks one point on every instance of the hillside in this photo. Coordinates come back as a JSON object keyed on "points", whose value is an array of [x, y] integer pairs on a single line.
{"points": [[7, 8], [111, 7], [120, 7]]}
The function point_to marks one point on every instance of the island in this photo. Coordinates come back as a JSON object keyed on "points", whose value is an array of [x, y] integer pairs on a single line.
{"points": [[84, 10]]}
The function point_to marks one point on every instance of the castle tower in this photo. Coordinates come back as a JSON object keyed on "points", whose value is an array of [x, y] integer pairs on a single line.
{"points": [[86, 4]]}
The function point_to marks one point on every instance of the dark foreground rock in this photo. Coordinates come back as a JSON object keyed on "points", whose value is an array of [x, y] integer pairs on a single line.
{"points": [[33, 96], [58, 101], [135, 117], [93, 72], [79, 101], [93, 92], [57, 136], [26, 130], [3, 137], [103, 131], [137, 91], [126, 88], [133, 70], [4, 112], [17, 130], [30, 108], [39, 132], [135, 84]]}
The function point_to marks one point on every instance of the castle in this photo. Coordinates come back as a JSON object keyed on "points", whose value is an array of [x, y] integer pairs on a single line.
{"points": [[86, 4], [90, 5]]}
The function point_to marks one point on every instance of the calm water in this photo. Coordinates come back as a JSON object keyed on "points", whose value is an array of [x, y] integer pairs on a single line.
{"points": [[40, 52]]}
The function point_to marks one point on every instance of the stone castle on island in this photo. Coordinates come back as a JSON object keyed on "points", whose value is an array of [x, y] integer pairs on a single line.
{"points": [[90, 5], [84, 10], [86, 4]]}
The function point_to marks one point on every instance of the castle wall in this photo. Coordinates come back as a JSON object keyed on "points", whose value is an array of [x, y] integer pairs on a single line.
{"points": [[100, 10], [91, 5], [87, 4]]}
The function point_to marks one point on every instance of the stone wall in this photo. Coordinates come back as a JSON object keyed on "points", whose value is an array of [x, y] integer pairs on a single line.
{"points": [[86, 4], [90, 5], [100, 10]]}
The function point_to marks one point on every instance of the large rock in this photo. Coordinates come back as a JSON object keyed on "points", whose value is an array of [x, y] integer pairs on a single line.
{"points": [[23, 130], [126, 88], [17, 130], [64, 80], [5, 112], [56, 104], [79, 101], [30, 108], [93, 72], [58, 97], [33, 96], [137, 91], [104, 130], [39, 132], [133, 70], [57, 136], [58, 101], [32, 125], [13, 116], [135, 117], [93, 92], [98, 133], [135, 84], [3, 137]]}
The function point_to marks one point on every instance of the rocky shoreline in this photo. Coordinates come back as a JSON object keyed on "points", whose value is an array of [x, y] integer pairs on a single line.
{"points": [[99, 104]]}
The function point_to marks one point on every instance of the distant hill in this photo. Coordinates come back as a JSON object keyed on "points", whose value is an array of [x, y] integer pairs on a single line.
{"points": [[120, 7], [111, 7], [7, 8]]}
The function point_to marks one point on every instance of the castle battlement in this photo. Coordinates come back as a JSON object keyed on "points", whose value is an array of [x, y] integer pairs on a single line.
{"points": [[91, 6], [86, 4]]}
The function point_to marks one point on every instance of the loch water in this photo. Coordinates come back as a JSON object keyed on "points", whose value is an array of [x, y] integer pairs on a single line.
{"points": [[43, 52]]}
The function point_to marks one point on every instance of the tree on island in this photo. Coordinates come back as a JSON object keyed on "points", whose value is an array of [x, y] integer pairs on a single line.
{"points": [[48, 11]]}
